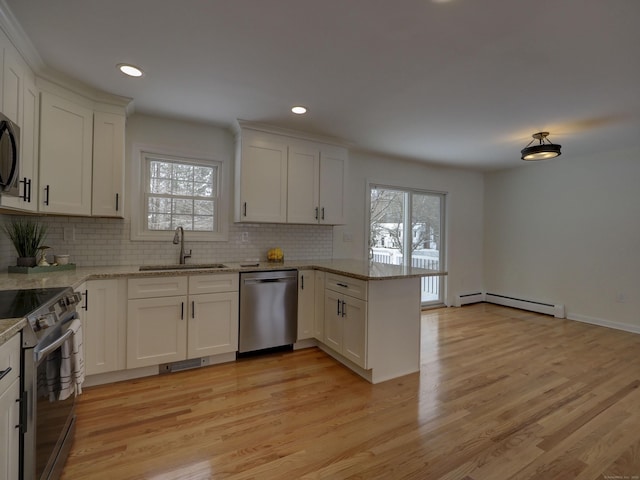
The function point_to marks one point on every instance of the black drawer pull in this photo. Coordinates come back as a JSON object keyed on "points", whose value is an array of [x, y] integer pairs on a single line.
{"points": [[5, 373]]}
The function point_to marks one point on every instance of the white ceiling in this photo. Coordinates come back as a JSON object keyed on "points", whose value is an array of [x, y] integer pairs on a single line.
{"points": [[462, 83]]}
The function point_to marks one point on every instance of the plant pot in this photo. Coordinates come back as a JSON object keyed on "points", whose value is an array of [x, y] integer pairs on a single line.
{"points": [[26, 261]]}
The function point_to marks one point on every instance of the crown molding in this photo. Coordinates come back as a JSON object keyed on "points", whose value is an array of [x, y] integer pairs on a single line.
{"points": [[12, 28], [239, 125]]}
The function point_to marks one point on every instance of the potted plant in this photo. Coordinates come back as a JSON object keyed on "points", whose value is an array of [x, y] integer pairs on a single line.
{"points": [[27, 236]]}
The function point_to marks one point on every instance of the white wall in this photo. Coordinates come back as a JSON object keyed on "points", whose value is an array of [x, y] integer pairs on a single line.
{"points": [[464, 216], [567, 231]]}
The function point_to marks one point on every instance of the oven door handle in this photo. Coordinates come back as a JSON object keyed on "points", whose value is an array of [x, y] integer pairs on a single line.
{"points": [[50, 348]]}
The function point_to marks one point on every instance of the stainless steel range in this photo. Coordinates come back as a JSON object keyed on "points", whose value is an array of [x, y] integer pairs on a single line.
{"points": [[47, 420]]}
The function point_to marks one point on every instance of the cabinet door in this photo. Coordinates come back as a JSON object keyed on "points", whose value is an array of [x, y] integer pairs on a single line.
{"points": [[318, 321], [333, 321], [213, 324], [100, 326], [354, 338], [9, 433], [156, 331], [21, 103], [303, 183], [263, 181], [306, 304], [108, 165], [333, 171], [66, 138], [12, 78]]}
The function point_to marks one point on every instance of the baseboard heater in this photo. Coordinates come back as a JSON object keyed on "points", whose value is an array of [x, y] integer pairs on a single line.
{"points": [[468, 298], [183, 365], [531, 305]]}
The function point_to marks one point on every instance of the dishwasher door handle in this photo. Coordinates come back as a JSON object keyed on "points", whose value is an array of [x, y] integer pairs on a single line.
{"points": [[255, 281]]}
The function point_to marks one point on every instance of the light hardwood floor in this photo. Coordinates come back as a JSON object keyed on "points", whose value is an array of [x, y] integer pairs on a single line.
{"points": [[503, 394]]}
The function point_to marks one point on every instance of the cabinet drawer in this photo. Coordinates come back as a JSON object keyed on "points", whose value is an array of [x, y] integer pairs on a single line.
{"points": [[217, 283], [346, 285], [157, 287], [9, 362]]}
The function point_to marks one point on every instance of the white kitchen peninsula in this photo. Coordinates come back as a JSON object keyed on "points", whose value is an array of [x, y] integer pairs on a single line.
{"points": [[370, 311]]}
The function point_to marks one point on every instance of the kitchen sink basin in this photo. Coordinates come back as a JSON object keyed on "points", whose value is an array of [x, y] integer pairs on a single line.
{"points": [[190, 266]]}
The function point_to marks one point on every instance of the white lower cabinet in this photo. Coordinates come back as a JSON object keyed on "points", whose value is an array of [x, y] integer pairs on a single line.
{"points": [[102, 314], [176, 318], [213, 324], [306, 304], [9, 408], [345, 318]]}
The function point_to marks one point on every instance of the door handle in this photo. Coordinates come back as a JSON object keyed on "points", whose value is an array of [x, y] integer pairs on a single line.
{"points": [[86, 300], [5, 372], [181, 310], [344, 308], [117, 201], [46, 198], [245, 209], [301, 282], [338, 313], [193, 309]]}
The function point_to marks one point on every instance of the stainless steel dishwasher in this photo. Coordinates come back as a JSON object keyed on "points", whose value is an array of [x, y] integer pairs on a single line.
{"points": [[268, 309]]}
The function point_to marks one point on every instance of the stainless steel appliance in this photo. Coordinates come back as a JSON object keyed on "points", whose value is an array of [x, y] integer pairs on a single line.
{"points": [[268, 310], [47, 422], [9, 158]]}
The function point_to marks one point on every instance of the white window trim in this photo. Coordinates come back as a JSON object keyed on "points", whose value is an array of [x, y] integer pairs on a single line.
{"points": [[137, 195]]}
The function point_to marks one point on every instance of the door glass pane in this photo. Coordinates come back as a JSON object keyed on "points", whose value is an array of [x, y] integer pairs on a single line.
{"points": [[406, 229], [387, 225], [426, 237]]}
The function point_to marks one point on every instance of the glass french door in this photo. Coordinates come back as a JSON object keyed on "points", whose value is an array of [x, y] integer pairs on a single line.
{"points": [[407, 228]]}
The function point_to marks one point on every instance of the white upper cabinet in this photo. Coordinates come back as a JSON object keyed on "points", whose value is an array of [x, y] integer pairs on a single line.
{"points": [[66, 145], [20, 103], [316, 183], [283, 179], [261, 178], [333, 173], [303, 184], [108, 165]]}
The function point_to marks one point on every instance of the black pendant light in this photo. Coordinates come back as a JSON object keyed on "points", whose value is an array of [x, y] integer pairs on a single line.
{"points": [[543, 151]]}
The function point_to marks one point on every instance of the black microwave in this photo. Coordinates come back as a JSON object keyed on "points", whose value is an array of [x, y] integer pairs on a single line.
{"points": [[9, 156]]}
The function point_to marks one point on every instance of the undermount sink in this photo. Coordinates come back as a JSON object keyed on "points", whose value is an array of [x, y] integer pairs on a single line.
{"points": [[190, 266]]}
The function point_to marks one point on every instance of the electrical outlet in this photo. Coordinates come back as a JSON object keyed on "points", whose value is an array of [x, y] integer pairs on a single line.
{"points": [[244, 238]]}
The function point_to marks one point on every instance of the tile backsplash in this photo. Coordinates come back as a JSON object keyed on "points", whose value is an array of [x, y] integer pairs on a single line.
{"points": [[104, 241]]}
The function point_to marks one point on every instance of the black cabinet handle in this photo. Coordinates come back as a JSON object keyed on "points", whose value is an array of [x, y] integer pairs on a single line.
{"points": [[181, 310], [5, 373], [193, 309], [322, 213], [338, 308], [316, 213], [117, 202], [301, 282], [86, 300], [344, 308], [25, 195], [29, 194], [343, 285], [245, 209], [46, 198]]}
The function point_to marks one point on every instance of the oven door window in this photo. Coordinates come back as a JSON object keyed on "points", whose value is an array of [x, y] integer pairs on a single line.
{"points": [[53, 415]]}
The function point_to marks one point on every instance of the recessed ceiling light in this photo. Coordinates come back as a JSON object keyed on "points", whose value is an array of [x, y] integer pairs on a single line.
{"points": [[299, 110], [130, 70]]}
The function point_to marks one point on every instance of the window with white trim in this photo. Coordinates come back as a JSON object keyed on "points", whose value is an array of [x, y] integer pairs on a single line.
{"points": [[182, 192]]}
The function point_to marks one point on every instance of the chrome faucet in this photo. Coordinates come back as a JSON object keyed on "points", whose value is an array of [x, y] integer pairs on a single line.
{"points": [[179, 238]]}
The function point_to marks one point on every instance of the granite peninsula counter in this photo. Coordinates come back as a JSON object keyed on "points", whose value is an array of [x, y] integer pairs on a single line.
{"points": [[392, 311]]}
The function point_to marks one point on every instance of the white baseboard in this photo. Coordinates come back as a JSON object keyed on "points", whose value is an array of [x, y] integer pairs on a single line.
{"points": [[604, 323], [523, 304]]}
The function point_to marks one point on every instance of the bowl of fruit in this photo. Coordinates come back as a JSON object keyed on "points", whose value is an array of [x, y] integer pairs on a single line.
{"points": [[275, 255]]}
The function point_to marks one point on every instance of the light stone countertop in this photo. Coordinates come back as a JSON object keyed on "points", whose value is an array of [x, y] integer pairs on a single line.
{"points": [[74, 278]]}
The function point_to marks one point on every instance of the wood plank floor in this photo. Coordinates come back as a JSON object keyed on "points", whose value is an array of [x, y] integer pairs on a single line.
{"points": [[503, 394]]}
